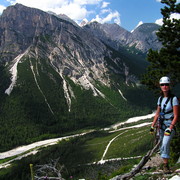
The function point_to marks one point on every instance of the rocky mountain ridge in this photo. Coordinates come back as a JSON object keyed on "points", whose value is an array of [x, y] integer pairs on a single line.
{"points": [[142, 38], [74, 52], [27, 28], [58, 77]]}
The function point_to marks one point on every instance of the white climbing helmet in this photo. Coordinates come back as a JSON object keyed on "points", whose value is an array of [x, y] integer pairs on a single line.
{"points": [[164, 79]]}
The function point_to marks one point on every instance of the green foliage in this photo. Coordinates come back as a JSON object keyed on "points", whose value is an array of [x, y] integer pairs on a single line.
{"points": [[125, 58], [4, 81], [79, 154], [122, 170], [132, 143], [175, 153], [26, 116], [142, 177], [167, 60]]}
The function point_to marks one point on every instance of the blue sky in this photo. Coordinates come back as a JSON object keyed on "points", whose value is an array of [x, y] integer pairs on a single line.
{"points": [[127, 13]]}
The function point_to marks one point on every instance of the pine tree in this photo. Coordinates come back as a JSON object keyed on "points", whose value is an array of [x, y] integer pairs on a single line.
{"points": [[166, 61]]}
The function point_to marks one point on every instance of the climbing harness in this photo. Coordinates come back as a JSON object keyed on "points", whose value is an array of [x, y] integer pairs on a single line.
{"points": [[160, 123], [161, 118]]}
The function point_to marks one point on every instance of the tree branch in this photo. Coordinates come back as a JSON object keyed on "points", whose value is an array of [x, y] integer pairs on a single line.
{"points": [[138, 168], [43, 171]]}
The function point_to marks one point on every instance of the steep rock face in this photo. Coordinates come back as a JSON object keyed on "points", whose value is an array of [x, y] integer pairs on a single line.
{"points": [[116, 32], [144, 37], [111, 31], [111, 34], [71, 50], [19, 25]]}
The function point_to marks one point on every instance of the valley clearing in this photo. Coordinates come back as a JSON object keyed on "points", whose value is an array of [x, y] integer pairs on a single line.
{"points": [[23, 151]]}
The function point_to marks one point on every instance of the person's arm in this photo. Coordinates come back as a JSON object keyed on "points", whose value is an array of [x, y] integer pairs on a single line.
{"points": [[176, 114], [155, 119], [156, 116]]}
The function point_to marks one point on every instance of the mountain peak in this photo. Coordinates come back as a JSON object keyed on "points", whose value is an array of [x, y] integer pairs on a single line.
{"points": [[84, 22], [144, 37], [140, 23], [143, 27]]}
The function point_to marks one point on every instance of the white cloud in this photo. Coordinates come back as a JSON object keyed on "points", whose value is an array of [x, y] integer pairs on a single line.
{"points": [[103, 11], [72, 10], [53, 4], [112, 16], [2, 8], [173, 16], [97, 18], [159, 22], [115, 16], [41, 4], [85, 2], [75, 9], [105, 4], [106, 15]]}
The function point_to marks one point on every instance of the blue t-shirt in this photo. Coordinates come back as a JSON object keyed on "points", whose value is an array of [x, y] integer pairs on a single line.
{"points": [[169, 107]]}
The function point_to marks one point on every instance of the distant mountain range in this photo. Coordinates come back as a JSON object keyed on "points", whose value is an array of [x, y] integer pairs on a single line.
{"points": [[57, 76], [142, 38]]}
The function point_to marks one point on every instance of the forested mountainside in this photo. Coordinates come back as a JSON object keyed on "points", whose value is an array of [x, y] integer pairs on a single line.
{"points": [[58, 77]]}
